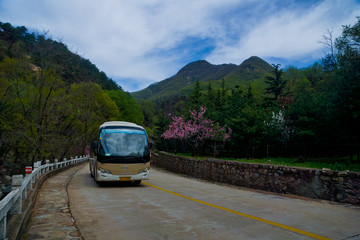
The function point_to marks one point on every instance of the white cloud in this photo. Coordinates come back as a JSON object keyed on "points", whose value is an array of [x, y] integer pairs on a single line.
{"points": [[289, 34], [140, 40]]}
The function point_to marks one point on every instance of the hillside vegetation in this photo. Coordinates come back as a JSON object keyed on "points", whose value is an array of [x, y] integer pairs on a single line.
{"points": [[252, 70], [52, 100], [312, 112]]}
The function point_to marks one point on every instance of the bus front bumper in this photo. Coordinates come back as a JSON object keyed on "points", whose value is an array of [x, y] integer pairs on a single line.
{"points": [[101, 177]]}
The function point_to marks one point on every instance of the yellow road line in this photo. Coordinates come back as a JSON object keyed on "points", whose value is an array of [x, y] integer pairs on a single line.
{"points": [[305, 233]]}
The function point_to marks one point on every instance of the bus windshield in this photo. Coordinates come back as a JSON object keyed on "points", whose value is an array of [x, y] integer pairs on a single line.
{"points": [[123, 142]]}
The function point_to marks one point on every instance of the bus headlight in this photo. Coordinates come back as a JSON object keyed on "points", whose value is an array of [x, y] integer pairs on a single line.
{"points": [[101, 170], [146, 170]]}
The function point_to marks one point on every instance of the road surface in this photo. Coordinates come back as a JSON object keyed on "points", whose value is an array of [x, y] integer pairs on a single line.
{"points": [[171, 206]]}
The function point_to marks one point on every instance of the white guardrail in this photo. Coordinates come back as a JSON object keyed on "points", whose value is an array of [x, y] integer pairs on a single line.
{"points": [[12, 203]]}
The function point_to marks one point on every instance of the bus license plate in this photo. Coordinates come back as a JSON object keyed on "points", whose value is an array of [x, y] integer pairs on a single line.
{"points": [[125, 179]]}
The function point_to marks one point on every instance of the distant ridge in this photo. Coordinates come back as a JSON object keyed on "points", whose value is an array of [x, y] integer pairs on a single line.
{"points": [[252, 68], [182, 82]]}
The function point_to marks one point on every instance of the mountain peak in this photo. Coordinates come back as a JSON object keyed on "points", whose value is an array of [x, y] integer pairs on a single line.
{"points": [[200, 64], [249, 70], [255, 62], [181, 83]]}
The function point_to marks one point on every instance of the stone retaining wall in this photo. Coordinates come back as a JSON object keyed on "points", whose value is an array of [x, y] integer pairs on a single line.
{"points": [[322, 184]]}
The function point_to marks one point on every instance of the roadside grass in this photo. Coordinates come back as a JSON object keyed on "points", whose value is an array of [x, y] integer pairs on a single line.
{"points": [[333, 163]]}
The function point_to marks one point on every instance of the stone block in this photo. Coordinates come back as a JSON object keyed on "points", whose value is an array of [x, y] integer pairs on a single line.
{"points": [[342, 174], [17, 180], [338, 179], [325, 178]]}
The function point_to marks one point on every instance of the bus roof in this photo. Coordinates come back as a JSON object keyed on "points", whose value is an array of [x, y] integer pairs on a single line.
{"points": [[120, 124]]}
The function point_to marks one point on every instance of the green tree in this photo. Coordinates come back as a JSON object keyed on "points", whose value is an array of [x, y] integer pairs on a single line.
{"points": [[347, 86], [246, 118], [210, 97], [8, 108], [148, 110], [218, 113], [161, 125], [304, 116], [92, 106], [195, 99], [276, 85], [128, 109], [28, 100], [49, 104]]}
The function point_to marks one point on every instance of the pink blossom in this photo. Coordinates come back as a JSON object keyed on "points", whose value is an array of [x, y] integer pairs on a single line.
{"points": [[197, 129]]}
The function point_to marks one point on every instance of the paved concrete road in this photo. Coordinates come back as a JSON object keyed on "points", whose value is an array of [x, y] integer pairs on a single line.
{"points": [[170, 206]]}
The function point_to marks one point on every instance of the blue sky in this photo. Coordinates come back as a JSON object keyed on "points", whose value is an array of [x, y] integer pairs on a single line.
{"points": [[137, 43]]}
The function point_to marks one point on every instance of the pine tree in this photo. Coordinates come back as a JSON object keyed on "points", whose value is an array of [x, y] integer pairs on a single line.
{"points": [[276, 85]]}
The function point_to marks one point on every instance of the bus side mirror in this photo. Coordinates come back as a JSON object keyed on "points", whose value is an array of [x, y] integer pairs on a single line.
{"points": [[94, 147]]}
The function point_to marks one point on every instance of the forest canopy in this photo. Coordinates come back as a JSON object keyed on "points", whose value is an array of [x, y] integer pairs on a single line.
{"points": [[310, 112], [52, 100]]}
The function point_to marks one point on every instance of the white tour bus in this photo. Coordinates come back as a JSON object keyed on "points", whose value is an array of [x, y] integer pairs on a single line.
{"points": [[122, 153]]}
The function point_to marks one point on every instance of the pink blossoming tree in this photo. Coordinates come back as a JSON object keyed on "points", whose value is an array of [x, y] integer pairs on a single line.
{"points": [[198, 130]]}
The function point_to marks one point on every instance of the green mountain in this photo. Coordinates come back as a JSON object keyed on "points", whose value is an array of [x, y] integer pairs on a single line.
{"points": [[43, 52], [251, 69], [201, 71], [181, 84], [52, 100]]}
